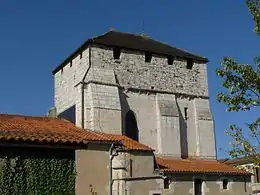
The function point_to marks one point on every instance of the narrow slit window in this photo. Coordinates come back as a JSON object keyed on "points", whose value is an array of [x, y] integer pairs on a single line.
{"points": [[245, 186], [148, 57], [257, 175], [185, 113], [197, 187], [189, 64], [80, 55], [225, 184], [116, 53], [131, 168], [170, 60]]}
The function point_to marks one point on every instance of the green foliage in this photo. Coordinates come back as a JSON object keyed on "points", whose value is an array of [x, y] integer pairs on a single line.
{"points": [[242, 84], [242, 94], [29, 175], [254, 8]]}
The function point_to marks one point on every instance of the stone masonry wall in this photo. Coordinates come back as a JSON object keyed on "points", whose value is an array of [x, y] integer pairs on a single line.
{"points": [[156, 129], [106, 102], [144, 108], [204, 126], [168, 125], [132, 71], [212, 184], [66, 79]]}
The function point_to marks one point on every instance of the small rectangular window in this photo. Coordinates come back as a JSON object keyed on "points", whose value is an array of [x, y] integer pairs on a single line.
{"points": [[225, 184], [185, 113], [80, 55], [116, 53], [189, 64], [170, 60], [148, 57]]}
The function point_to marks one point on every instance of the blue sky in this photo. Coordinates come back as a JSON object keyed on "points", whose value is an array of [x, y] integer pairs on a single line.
{"points": [[35, 36]]}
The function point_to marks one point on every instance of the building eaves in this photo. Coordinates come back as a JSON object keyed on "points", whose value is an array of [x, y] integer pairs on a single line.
{"points": [[197, 166], [46, 130], [132, 42]]}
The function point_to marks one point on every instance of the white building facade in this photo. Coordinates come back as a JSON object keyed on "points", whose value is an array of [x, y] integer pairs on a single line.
{"points": [[130, 84]]}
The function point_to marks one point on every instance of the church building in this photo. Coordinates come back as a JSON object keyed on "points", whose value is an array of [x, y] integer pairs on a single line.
{"points": [[128, 84], [134, 115], [133, 85]]}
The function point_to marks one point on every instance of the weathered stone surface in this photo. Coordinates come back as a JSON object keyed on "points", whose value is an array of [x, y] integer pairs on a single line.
{"points": [[132, 71], [66, 79], [169, 102]]}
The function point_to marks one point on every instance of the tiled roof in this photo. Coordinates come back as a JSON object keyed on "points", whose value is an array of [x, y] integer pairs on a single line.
{"points": [[128, 143], [133, 42], [197, 166], [51, 130], [242, 160]]}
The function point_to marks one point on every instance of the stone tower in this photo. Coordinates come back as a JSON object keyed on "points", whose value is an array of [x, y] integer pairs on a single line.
{"points": [[131, 84]]}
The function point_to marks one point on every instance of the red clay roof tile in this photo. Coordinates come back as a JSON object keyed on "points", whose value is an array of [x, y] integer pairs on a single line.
{"points": [[51, 130], [197, 166], [128, 143]]}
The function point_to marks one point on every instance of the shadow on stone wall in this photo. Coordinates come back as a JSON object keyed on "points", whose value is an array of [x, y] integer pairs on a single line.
{"points": [[129, 123], [183, 135]]}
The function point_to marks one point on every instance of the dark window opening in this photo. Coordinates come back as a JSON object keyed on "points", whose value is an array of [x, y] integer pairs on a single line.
{"points": [[80, 55], [131, 129], [152, 87], [225, 184], [185, 113], [170, 60], [166, 183], [148, 57], [116, 53], [245, 185], [71, 64], [197, 187], [257, 175], [131, 168], [189, 64]]}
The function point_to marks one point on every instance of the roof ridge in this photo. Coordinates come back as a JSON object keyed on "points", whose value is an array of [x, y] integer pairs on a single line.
{"points": [[33, 117], [26, 116], [154, 40], [197, 165], [110, 39]]}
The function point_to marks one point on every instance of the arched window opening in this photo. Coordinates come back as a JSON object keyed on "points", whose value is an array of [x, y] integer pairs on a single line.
{"points": [[131, 129]]}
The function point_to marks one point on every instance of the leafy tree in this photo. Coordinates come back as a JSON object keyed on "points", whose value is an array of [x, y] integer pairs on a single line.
{"points": [[242, 84]]}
